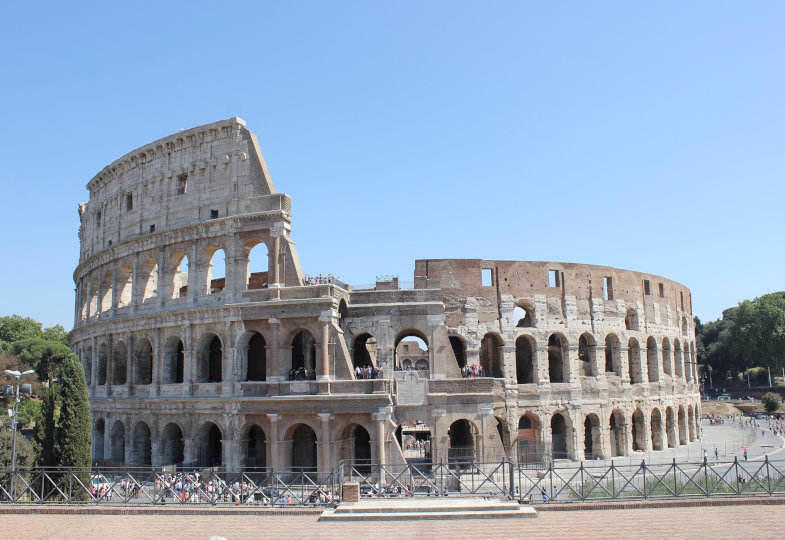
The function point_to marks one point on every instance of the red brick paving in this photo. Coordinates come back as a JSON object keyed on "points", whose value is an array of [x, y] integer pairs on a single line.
{"points": [[747, 522]]}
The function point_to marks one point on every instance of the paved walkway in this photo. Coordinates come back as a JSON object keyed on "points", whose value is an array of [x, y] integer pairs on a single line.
{"points": [[748, 522]]}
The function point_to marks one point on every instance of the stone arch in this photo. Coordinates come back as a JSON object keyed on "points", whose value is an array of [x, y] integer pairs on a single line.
{"points": [[491, 355], [523, 315], [617, 433], [149, 280], [255, 448], [210, 359], [639, 431], [592, 437], [667, 360], [173, 361], [106, 292], [257, 268], [559, 436], [177, 275], [364, 351], [144, 362], [557, 354], [670, 427], [99, 432], [303, 364], [636, 364], [125, 285], [256, 358], [117, 442], [120, 363], [524, 359], [612, 354], [631, 319], [141, 444], [103, 365], [461, 437], [459, 350], [303, 448], [656, 429], [586, 350], [529, 437], [172, 446], [682, 426], [355, 448], [209, 445], [652, 363]]}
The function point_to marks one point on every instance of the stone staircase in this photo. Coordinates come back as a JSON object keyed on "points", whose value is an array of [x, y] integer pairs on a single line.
{"points": [[410, 508]]}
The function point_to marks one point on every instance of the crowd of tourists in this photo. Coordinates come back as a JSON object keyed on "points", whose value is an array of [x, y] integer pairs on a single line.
{"points": [[472, 371]]}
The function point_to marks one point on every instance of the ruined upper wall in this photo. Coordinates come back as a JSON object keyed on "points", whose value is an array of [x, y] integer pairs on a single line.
{"points": [[207, 172], [551, 281]]}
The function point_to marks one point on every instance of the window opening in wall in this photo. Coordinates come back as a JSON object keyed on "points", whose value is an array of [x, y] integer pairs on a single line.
{"points": [[152, 228], [646, 287], [129, 202], [182, 184], [553, 278], [662, 290], [487, 277], [213, 214], [607, 285]]}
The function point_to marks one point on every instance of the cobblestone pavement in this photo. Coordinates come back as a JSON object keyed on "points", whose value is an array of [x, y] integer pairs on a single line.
{"points": [[748, 522]]}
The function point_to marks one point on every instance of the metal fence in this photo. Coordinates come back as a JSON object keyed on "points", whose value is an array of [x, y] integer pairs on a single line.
{"points": [[548, 485]]}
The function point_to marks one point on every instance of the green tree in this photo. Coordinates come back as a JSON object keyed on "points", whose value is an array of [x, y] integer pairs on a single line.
{"points": [[74, 437], [771, 401], [44, 436]]}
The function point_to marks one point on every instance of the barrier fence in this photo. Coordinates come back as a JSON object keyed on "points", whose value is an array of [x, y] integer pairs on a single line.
{"points": [[299, 488]]}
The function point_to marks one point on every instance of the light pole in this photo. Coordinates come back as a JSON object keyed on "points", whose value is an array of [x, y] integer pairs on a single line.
{"points": [[18, 376]]}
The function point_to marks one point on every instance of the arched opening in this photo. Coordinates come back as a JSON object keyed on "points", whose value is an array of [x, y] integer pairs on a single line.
{"points": [[178, 275], [656, 429], [174, 361], [257, 358], [98, 439], [258, 267], [491, 355], [209, 446], [559, 436], [636, 366], [651, 360], [586, 354], [102, 367], [461, 450], [529, 446], [304, 448], [144, 362], [141, 445], [364, 351], [524, 360], [172, 445], [631, 319], [678, 359], [638, 431], [355, 448], [303, 356], [670, 427], [124, 285], [120, 364], [682, 426], [410, 345], [459, 351], [216, 272], [591, 437], [149, 275], [667, 361], [256, 449], [117, 443], [555, 359], [617, 433], [612, 354], [522, 316], [106, 289]]}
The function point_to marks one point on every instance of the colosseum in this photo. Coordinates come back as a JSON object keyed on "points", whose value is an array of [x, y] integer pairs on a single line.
{"points": [[205, 344]]}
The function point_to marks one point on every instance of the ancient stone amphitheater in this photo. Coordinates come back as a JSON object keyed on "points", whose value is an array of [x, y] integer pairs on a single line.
{"points": [[204, 344]]}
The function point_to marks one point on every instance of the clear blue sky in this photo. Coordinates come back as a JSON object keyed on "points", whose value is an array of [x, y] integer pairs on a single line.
{"points": [[641, 136]]}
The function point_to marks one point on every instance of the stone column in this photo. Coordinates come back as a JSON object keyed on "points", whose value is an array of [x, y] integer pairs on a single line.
{"points": [[324, 462], [273, 443]]}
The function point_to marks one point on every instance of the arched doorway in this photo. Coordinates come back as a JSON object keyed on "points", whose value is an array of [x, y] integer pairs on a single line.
{"points": [[256, 449], [172, 445], [257, 358], [461, 450], [491, 355], [558, 437], [304, 448], [524, 360]]}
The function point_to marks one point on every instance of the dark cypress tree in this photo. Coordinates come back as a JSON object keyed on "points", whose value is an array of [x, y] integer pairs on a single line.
{"points": [[74, 437], [45, 430]]}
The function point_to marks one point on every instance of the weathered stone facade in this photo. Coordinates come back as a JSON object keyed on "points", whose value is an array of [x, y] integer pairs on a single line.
{"points": [[257, 369]]}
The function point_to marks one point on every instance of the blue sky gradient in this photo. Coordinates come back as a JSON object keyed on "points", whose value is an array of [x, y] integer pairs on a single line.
{"points": [[647, 137]]}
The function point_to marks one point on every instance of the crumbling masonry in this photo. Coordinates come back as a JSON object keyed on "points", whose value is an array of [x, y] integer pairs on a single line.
{"points": [[531, 361]]}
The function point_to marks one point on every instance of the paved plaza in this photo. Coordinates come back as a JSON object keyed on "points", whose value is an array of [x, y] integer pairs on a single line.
{"points": [[746, 521]]}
